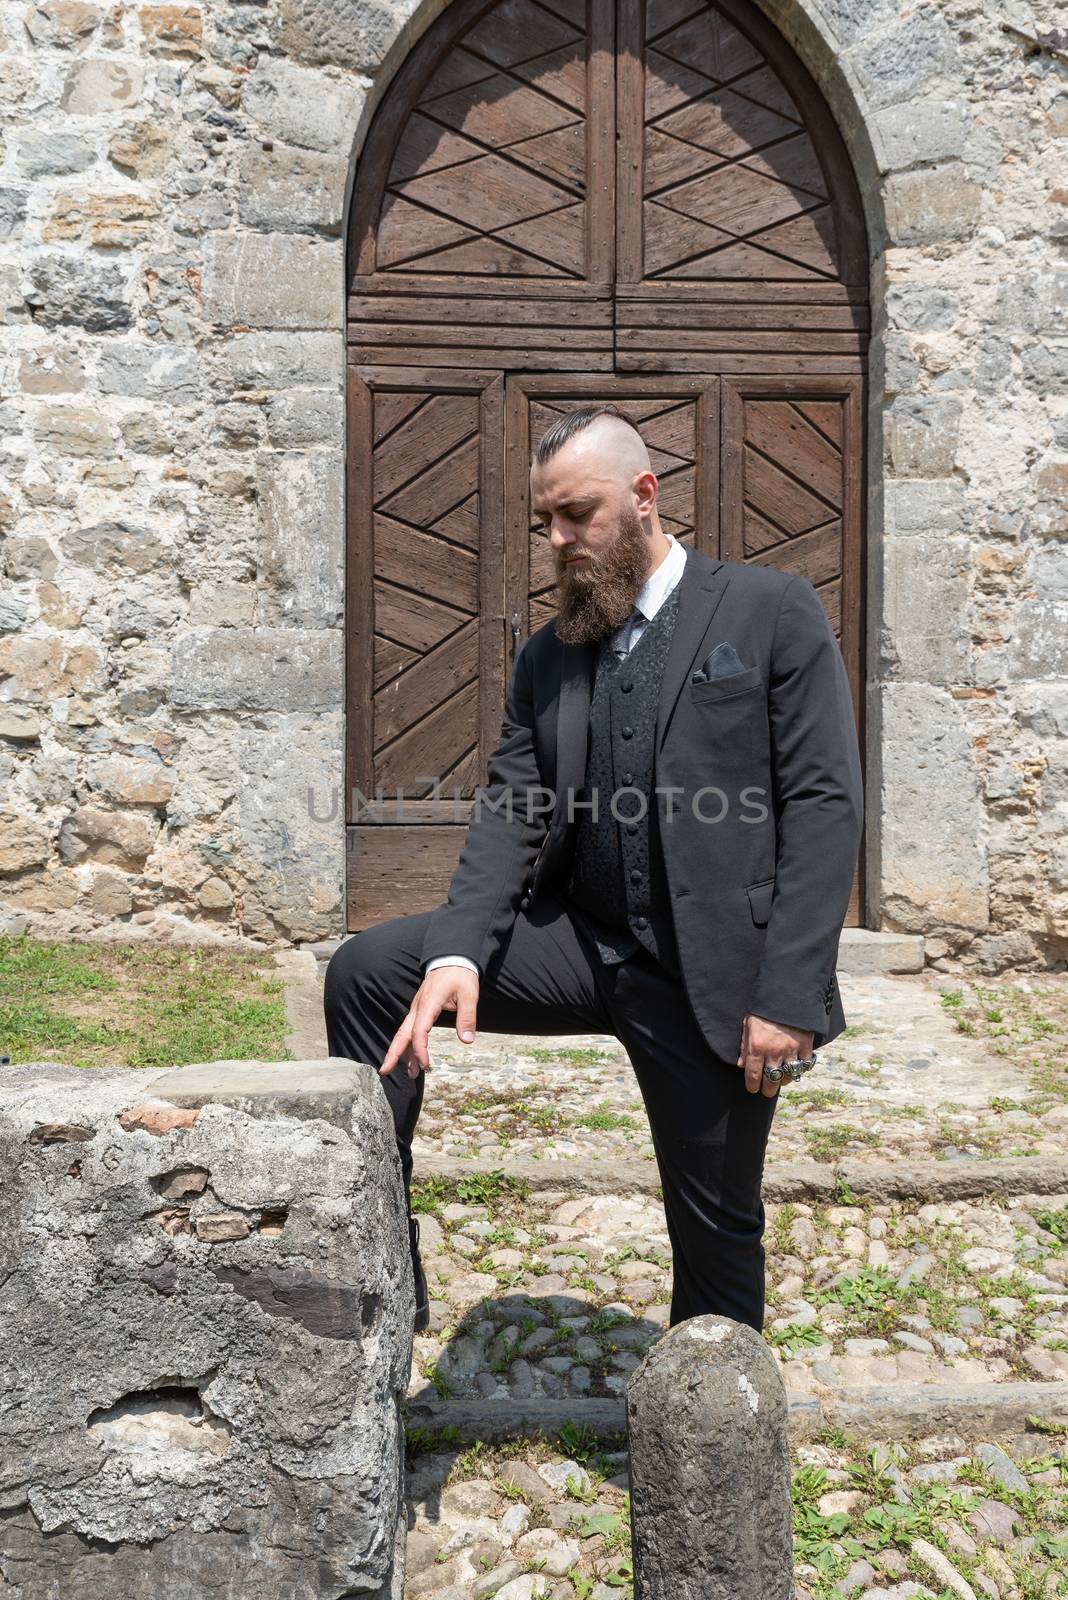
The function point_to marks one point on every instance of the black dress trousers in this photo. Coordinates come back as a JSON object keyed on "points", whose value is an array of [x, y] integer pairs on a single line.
{"points": [[709, 1134]]}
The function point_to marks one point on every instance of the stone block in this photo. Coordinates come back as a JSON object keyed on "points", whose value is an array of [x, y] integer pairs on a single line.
{"points": [[108, 221], [154, 372], [924, 131], [297, 105], [918, 505], [847, 20], [142, 150], [921, 435], [12, 210], [73, 430], [51, 370], [292, 190], [43, 153], [173, 30], [1039, 644], [64, 23], [352, 34], [127, 780], [931, 206], [926, 636], [921, 308], [99, 84], [259, 669], [1035, 303], [302, 497], [1045, 368], [280, 360], [204, 1368], [49, 667], [305, 416], [710, 1466], [273, 280], [897, 63], [934, 860], [24, 843], [113, 546], [115, 838], [92, 295]]}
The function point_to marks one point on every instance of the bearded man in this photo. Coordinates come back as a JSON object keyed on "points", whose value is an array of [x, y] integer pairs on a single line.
{"points": [[700, 932]]}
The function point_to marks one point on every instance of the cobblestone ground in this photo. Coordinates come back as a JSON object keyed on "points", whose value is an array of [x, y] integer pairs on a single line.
{"points": [[930, 1066], [541, 1296], [937, 1520], [552, 1294]]}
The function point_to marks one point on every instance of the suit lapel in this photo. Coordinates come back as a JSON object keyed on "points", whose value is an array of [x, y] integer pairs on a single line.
{"points": [[701, 588]]}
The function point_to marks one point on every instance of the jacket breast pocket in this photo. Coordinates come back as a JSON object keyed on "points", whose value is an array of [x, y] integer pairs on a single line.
{"points": [[727, 688], [760, 899]]}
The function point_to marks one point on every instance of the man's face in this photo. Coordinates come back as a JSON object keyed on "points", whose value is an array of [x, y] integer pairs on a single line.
{"points": [[600, 547]]}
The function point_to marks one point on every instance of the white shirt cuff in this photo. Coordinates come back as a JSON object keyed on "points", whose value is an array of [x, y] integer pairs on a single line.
{"points": [[451, 961]]}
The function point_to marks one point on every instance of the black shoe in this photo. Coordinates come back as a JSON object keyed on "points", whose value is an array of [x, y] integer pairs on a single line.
{"points": [[422, 1294]]}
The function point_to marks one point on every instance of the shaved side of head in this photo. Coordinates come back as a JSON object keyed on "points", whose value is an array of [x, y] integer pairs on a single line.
{"points": [[600, 434]]}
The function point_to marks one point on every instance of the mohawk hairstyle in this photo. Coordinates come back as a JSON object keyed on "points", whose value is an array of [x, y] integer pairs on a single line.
{"points": [[575, 422]]}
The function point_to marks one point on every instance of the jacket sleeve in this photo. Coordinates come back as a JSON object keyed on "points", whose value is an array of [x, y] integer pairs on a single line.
{"points": [[507, 823], [818, 800]]}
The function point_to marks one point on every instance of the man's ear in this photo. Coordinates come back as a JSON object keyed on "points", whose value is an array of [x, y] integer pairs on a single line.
{"points": [[646, 485]]}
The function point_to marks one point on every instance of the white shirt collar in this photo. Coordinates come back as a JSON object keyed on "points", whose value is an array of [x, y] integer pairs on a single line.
{"points": [[656, 588]]}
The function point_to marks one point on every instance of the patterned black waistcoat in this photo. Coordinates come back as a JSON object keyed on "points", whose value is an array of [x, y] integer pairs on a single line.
{"points": [[618, 888]]}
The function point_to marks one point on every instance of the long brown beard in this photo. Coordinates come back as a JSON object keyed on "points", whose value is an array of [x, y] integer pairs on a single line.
{"points": [[597, 595]]}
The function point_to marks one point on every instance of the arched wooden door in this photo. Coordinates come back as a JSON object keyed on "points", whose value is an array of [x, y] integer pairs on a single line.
{"points": [[564, 201]]}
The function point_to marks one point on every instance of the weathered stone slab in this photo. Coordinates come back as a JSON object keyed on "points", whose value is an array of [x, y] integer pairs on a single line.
{"points": [[207, 1302]]}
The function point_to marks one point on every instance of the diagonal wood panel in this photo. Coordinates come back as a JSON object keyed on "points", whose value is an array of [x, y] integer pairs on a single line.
{"points": [[488, 177], [725, 149], [425, 486]]}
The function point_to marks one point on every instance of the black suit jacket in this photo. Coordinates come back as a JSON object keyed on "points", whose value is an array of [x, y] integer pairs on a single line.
{"points": [[758, 900]]}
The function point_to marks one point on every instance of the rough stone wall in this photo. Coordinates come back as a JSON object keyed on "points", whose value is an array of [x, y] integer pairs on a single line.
{"points": [[206, 1333], [172, 193]]}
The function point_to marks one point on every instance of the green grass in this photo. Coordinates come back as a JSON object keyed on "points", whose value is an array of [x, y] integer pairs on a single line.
{"points": [[133, 1005], [604, 1119], [429, 1195]]}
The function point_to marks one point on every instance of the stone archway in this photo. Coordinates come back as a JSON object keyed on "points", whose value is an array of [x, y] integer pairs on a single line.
{"points": [[561, 201]]}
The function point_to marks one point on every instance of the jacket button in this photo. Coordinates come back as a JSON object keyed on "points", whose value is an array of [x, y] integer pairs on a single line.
{"points": [[626, 687], [627, 732], [524, 902], [641, 922]]}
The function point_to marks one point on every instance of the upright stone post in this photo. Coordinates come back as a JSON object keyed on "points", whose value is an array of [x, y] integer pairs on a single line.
{"points": [[710, 1467], [206, 1300]]}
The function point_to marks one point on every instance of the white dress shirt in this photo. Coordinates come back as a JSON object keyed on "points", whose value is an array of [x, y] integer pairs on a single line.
{"points": [[650, 597]]}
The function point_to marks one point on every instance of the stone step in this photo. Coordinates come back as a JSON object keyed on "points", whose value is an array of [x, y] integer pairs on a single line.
{"points": [[862, 952], [925, 1182], [869, 953], [971, 1411]]}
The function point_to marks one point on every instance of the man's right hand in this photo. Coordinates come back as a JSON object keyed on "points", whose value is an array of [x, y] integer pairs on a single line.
{"points": [[444, 989]]}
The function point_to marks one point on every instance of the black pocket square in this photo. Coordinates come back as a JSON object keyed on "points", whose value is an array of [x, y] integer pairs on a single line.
{"points": [[719, 663]]}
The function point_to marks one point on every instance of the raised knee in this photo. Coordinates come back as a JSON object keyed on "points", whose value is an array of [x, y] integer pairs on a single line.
{"points": [[348, 969]]}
